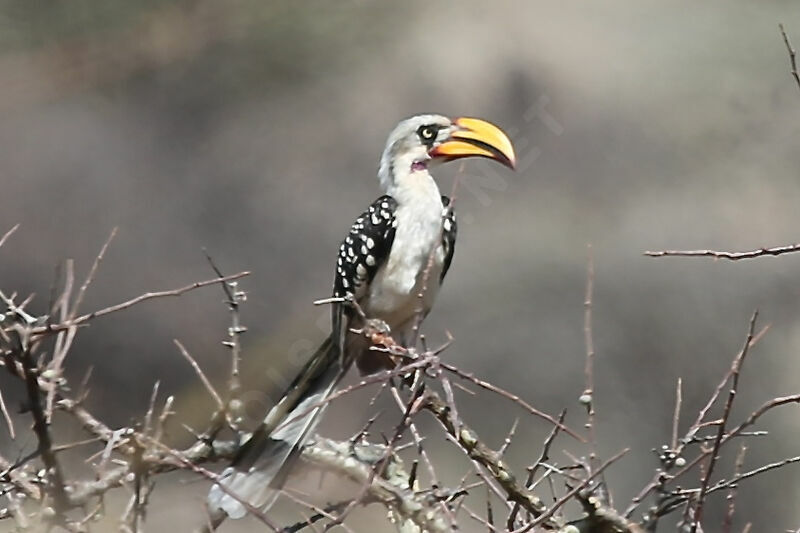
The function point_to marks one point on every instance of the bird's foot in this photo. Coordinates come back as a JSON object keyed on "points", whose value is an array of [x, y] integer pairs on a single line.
{"points": [[378, 332]]}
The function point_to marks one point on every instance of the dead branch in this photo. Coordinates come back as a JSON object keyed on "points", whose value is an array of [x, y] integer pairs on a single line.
{"points": [[132, 457], [390, 489], [709, 470], [733, 256], [792, 55], [40, 330], [54, 475], [8, 234], [588, 395], [476, 450]]}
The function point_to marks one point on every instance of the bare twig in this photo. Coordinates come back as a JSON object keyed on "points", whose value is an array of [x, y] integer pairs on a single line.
{"points": [[698, 423], [660, 479], [731, 483], [735, 432], [133, 301], [64, 338], [510, 396], [234, 297], [8, 234], [9, 422], [380, 377], [585, 483], [735, 372], [727, 522], [90, 277], [792, 55], [23, 483], [389, 486], [311, 520], [755, 415], [412, 407], [55, 476], [88, 421], [508, 439], [587, 398], [324, 513], [206, 383], [532, 470], [417, 439], [733, 256], [468, 440], [188, 463], [676, 416]]}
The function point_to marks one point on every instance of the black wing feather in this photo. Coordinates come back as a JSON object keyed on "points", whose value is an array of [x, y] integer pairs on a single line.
{"points": [[449, 233], [361, 254]]}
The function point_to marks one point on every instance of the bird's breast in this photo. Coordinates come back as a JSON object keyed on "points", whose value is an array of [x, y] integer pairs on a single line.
{"points": [[394, 294]]}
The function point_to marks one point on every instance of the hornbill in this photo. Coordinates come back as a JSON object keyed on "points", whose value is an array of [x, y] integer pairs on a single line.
{"points": [[391, 263]]}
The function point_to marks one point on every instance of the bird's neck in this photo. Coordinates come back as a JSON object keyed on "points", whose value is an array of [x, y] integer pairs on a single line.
{"points": [[408, 181], [406, 178], [416, 187]]}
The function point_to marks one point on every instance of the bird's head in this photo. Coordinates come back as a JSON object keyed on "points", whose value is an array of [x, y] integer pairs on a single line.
{"points": [[420, 141]]}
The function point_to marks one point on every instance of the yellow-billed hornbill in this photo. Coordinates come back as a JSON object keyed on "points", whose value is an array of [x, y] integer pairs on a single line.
{"points": [[382, 265]]}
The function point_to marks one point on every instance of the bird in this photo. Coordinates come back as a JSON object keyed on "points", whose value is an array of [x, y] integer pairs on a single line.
{"points": [[391, 263]]}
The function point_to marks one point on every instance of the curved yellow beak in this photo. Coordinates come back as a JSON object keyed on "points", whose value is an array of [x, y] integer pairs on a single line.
{"points": [[476, 137]]}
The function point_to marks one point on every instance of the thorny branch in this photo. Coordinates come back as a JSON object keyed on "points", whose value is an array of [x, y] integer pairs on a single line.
{"points": [[44, 330], [131, 457], [726, 413], [234, 298], [588, 395], [668, 496]]}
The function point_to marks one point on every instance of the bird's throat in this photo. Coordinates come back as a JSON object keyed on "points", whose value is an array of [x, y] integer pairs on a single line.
{"points": [[416, 188]]}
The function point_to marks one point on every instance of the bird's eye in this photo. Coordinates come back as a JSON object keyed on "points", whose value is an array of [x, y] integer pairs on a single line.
{"points": [[427, 133]]}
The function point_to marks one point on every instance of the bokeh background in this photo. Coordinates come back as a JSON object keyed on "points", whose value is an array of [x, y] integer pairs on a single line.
{"points": [[254, 129]]}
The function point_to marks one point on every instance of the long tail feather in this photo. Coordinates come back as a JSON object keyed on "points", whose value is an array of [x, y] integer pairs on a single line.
{"points": [[264, 461]]}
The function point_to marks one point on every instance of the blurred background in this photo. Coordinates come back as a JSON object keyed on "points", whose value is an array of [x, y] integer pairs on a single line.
{"points": [[254, 129]]}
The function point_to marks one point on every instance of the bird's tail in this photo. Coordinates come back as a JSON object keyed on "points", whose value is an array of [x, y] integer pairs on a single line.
{"points": [[264, 461]]}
